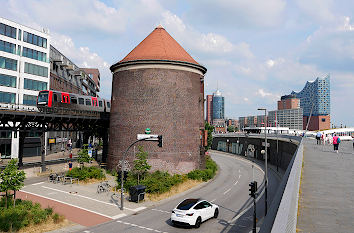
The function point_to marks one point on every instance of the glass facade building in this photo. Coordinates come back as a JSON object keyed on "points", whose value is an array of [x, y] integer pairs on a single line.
{"points": [[316, 95], [218, 106]]}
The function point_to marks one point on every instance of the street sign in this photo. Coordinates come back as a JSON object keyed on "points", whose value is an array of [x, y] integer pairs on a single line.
{"points": [[147, 131], [90, 152], [148, 137], [268, 144]]}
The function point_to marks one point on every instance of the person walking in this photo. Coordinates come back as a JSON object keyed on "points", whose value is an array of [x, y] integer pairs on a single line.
{"points": [[70, 165], [318, 137], [336, 141]]}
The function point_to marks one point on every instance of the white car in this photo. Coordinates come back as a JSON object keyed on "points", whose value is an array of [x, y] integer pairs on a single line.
{"points": [[193, 212]]}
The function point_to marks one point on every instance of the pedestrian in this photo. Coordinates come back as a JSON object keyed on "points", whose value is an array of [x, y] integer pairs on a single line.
{"points": [[336, 141], [318, 137], [70, 165]]}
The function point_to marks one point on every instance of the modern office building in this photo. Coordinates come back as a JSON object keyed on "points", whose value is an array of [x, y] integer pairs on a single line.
{"points": [[24, 70], [290, 118], [315, 100], [242, 122], [209, 109], [218, 106]]}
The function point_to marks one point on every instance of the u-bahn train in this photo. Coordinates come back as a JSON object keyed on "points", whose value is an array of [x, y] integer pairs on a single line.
{"points": [[48, 100]]}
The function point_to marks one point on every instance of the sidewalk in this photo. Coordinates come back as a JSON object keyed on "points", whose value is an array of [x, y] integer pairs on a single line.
{"points": [[327, 189]]}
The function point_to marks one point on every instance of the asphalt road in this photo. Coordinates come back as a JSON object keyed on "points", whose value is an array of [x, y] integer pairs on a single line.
{"points": [[229, 190]]}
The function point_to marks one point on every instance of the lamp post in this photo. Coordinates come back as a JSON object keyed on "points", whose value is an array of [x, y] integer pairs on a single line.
{"points": [[266, 162], [276, 122]]}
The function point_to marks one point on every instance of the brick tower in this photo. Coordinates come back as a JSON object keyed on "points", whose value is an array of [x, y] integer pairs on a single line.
{"points": [[158, 85]]}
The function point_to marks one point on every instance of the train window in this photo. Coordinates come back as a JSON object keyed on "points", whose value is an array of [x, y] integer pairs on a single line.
{"points": [[73, 100], [108, 104], [81, 101], [88, 102], [100, 103], [55, 98]]}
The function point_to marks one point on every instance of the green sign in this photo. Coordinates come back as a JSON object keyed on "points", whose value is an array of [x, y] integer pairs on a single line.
{"points": [[148, 131]]}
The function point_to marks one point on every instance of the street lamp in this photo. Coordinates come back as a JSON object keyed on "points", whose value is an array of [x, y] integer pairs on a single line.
{"points": [[266, 158], [276, 122]]}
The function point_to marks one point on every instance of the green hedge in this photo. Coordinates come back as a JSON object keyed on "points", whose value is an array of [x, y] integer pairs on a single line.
{"points": [[21, 215], [205, 174], [160, 182], [85, 173]]}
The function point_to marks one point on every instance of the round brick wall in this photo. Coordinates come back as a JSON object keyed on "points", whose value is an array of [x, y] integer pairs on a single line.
{"points": [[168, 101]]}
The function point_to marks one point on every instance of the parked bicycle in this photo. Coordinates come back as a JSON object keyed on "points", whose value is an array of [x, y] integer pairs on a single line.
{"points": [[103, 187]]}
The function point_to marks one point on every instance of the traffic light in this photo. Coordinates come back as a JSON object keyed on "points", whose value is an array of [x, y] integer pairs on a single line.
{"points": [[119, 176], [160, 140], [125, 176], [253, 189]]}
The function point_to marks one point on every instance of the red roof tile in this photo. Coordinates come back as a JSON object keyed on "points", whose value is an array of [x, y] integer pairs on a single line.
{"points": [[159, 45]]}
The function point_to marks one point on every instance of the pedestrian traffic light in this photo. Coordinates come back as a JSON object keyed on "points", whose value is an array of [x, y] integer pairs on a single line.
{"points": [[160, 140], [253, 189]]}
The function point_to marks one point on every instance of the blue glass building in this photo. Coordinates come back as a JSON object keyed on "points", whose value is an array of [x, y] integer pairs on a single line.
{"points": [[218, 105], [316, 95]]}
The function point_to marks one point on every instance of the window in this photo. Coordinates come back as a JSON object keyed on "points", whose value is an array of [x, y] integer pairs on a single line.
{"points": [[30, 100], [73, 100], [5, 134], [34, 54], [6, 97], [7, 30], [100, 103], [7, 63], [7, 47], [34, 85], [108, 104], [19, 34], [88, 102], [34, 39], [55, 98], [36, 69], [7, 80], [187, 204], [323, 119], [81, 101]]}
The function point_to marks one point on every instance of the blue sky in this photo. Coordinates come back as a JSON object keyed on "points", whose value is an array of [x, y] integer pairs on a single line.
{"points": [[255, 50]]}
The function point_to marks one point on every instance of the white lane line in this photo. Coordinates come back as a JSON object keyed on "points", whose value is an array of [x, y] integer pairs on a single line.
{"points": [[213, 200], [119, 216], [87, 231], [227, 191], [38, 183], [162, 211], [91, 211], [239, 170], [141, 227], [239, 176], [236, 182], [92, 199]]}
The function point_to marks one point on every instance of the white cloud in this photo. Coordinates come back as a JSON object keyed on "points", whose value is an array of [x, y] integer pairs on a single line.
{"points": [[246, 99], [83, 57], [318, 10], [238, 13]]}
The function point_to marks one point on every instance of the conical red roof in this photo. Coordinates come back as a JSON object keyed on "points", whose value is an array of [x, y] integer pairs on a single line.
{"points": [[159, 45]]}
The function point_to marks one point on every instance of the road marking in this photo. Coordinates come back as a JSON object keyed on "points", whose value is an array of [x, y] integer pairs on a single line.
{"points": [[236, 182], [119, 216], [91, 211], [239, 176], [227, 191], [162, 211], [87, 231], [38, 183], [92, 199], [141, 227], [239, 171], [213, 200], [139, 208]]}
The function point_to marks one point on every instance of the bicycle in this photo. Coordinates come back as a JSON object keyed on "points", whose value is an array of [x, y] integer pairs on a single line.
{"points": [[103, 187]]}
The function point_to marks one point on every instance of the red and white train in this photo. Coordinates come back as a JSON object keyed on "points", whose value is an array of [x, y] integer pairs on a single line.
{"points": [[79, 103]]}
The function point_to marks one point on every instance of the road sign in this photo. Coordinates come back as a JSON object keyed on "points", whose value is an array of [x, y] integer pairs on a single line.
{"points": [[147, 131], [268, 144], [148, 137], [90, 152]]}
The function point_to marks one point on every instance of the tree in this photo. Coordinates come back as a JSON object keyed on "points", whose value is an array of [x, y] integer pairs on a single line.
{"points": [[231, 128], [210, 130], [83, 156], [141, 165], [11, 179]]}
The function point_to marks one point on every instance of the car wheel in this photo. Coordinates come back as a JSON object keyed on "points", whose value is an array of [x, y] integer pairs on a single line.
{"points": [[216, 213], [198, 222]]}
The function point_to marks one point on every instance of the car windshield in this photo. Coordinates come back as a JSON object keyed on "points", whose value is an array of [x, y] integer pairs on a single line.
{"points": [[187, 204], [43, 97]]}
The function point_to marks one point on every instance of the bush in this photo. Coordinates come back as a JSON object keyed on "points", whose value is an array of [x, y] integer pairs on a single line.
{"points": [[85, 173], [23, 214], [206, 174]]}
